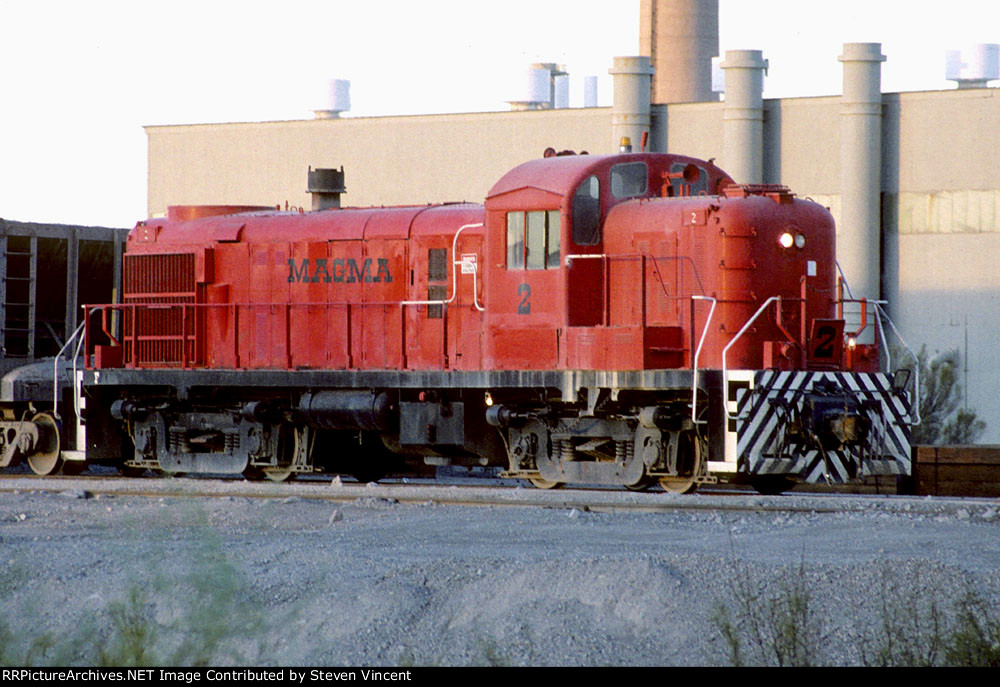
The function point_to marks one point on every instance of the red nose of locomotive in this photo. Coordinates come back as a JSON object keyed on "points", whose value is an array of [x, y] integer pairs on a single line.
{"points": [[741, 248]]}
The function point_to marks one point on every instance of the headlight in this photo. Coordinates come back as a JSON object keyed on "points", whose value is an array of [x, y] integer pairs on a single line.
{"points": [[788, 239]]}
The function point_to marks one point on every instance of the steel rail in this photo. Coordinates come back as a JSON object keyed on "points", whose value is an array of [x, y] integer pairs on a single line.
{"points": [[478, 495]]}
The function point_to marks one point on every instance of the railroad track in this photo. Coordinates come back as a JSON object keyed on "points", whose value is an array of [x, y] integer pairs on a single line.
{"points": [[467, 494]]}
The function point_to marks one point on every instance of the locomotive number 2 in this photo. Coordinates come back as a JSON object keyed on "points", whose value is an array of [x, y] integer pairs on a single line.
{"points": [[825, 338], [524, 307]]}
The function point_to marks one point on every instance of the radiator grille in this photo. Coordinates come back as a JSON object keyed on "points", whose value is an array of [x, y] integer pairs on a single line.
{"points": [[158, 275], [160, 331]]}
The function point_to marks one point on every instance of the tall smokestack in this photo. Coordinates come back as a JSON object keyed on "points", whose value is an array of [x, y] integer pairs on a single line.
{"points": [[743, 116], [681, 37], [630, 115], [860, 234]]}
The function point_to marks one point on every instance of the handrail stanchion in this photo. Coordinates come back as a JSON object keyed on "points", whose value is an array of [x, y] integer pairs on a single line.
{"points": [[697, 354], [55, 367], [916, 365], [739, 335]]}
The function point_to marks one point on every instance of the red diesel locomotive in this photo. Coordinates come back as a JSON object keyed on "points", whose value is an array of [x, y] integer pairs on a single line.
{"points": [[624, 319]]}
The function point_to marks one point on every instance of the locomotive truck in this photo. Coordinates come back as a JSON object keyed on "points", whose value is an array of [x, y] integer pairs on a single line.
{"points": [[626, 319]]}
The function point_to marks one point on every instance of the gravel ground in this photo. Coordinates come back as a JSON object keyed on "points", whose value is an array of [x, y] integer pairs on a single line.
{"points": [[379, 581]]}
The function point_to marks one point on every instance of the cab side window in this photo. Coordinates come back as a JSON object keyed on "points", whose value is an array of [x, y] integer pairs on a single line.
{"points": [[515, 240], [587, 212], [437, 271], [533, 240], [629, 179]]}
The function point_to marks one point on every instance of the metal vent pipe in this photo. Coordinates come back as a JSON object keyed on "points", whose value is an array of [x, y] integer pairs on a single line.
{"points": [[326, 186]]}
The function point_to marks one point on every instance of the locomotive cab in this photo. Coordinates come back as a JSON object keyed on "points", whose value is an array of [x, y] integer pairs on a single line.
{"points": [[551, 300]]}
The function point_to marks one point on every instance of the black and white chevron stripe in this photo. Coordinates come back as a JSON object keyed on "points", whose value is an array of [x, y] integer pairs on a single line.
{"points": [[765, 410]]}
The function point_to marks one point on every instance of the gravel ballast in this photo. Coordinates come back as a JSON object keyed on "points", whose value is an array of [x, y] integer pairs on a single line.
{"points": [[380, 579]]}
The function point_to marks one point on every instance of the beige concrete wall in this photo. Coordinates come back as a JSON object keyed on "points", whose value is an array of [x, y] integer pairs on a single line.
{"points": [[941, 230], [947, 295], [691, 129], [802, 144], [941, 140], [387, 160]]}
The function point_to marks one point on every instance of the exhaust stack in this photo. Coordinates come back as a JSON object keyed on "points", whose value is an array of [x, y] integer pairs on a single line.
{"points": [[325, 186]]}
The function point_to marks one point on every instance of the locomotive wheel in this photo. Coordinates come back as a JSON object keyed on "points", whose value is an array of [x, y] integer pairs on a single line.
{"points": [[253, 474], [642, 485], [282, 474], [45, 458], [771, 485], [368, 471], [275, 474], [284, 470], [74, 467], [129, 471], [542, 483], [689, 464]]}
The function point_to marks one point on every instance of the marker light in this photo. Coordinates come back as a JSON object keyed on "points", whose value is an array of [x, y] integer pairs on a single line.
{"points": [[800, 241], [852, 342], [489, 399], [786, 240]]}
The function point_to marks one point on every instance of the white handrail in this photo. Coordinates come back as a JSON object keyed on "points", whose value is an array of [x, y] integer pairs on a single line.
{"points": [[475, 290], [55, 369], [844, 279], [725, 375], [454, 275], [80, 340], [881, 336], [916, 363], [697, 354], [878, 306], [77, 386]]}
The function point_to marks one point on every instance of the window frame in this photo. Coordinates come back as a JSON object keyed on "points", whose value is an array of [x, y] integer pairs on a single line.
{"points": [[522, 230], [437, 281], [590, 212], [618, 173]]}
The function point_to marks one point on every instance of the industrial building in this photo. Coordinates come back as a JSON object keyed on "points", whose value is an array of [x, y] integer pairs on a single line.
{"points": [[913, 179]]}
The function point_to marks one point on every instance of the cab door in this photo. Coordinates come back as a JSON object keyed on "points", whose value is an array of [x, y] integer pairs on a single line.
{"points": [[527, 303], [585, 279], [429, 277], [465, 319]]}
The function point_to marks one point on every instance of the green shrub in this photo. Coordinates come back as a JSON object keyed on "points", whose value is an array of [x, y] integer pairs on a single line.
{"points": [[204, 617], [917, 625], [771, 627]]}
